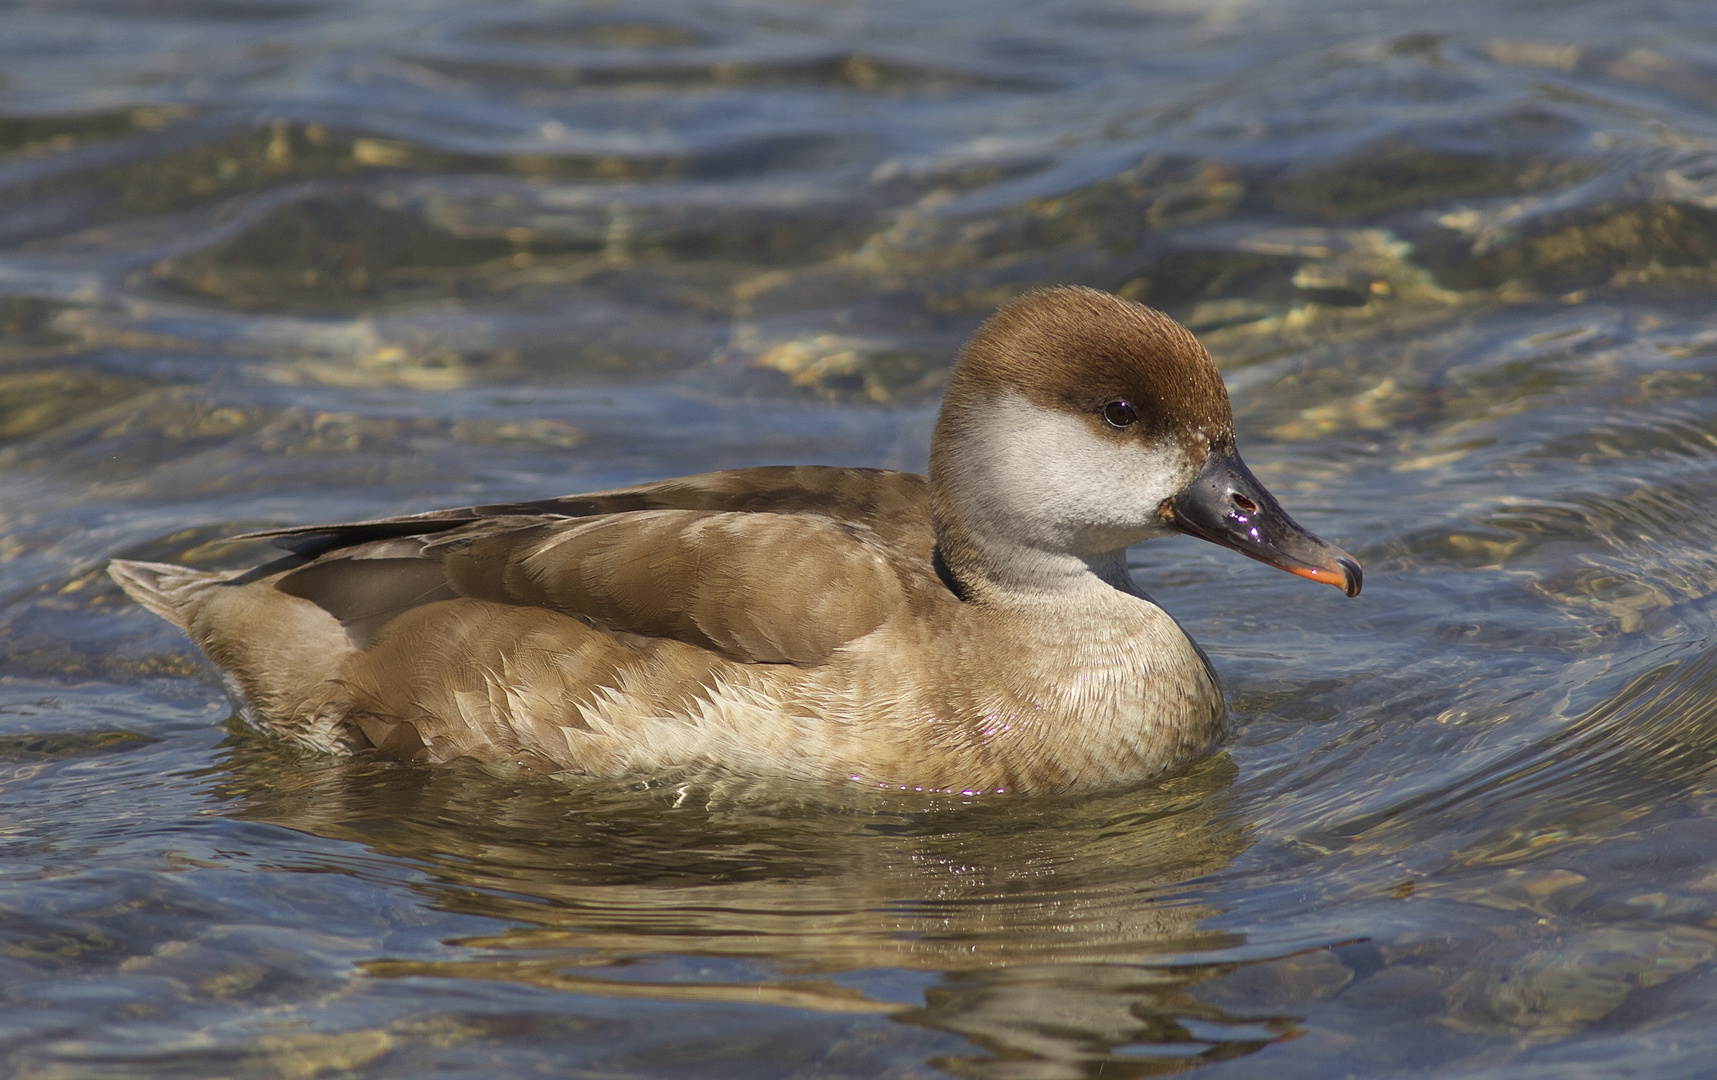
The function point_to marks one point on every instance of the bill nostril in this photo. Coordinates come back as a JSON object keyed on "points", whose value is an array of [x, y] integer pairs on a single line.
{"points": [[1244, 504]]}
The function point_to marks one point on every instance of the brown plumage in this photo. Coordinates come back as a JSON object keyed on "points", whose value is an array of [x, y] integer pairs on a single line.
{"points": [[970, 631]]}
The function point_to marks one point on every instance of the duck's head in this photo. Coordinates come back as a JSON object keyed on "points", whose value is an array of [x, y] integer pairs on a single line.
{"points": [[1075, 424]]}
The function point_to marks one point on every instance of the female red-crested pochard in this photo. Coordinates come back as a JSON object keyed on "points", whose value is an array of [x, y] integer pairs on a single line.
{"points": [[971, 631]]}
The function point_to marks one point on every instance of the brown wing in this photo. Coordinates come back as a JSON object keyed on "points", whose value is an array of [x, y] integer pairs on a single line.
{"points": [[826, 562], [769, 588]]}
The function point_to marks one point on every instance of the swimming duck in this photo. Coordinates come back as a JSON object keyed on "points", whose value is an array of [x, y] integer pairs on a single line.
{"points": [[971, 631]]}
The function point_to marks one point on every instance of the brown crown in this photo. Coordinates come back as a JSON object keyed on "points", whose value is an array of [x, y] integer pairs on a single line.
{"points": [[1076, 349]]}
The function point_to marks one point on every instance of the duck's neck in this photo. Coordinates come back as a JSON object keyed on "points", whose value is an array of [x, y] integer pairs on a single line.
{"points": [[1027, 504], [998, 568]]}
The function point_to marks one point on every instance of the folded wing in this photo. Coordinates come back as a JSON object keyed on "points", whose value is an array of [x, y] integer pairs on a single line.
{"points": [[761, 569]]}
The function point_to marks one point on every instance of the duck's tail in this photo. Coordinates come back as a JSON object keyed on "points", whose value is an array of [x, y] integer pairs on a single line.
{"points": [[172, 592]]}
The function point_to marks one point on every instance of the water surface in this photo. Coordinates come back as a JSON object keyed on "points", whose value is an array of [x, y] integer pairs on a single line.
{"points": [[281, 261]]}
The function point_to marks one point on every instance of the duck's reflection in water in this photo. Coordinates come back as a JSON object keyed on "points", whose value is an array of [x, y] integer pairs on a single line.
{"points": [[1048, 920]]}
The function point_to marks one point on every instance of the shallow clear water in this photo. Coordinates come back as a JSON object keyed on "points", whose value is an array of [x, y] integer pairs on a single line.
{"points": [[287, 261]]}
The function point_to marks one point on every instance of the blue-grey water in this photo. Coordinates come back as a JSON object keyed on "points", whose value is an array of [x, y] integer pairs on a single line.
{"points": [[283, 261]]}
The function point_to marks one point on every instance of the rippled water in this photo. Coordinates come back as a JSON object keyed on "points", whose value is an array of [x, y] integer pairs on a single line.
{"points": [[281, 261]]}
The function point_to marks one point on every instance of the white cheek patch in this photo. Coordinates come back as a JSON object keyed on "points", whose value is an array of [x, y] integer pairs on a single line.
{"points": [[1056, 484]]}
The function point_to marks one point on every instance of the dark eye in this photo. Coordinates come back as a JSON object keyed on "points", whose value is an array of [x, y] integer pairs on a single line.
{"points": [[1120, 414]]}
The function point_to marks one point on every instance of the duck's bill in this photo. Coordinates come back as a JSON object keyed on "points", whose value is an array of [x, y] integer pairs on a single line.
{"points": [[1226, 505]]}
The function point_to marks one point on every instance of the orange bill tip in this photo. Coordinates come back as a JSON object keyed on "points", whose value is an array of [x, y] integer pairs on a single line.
{"points": [[1344, 574]]}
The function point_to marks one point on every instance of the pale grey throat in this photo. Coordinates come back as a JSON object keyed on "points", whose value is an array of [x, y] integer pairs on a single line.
{"points": [[1050, 503]]}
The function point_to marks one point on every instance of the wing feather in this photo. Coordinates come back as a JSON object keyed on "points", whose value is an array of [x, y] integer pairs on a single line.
{"points": [[770, 565], [762, 588]]}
